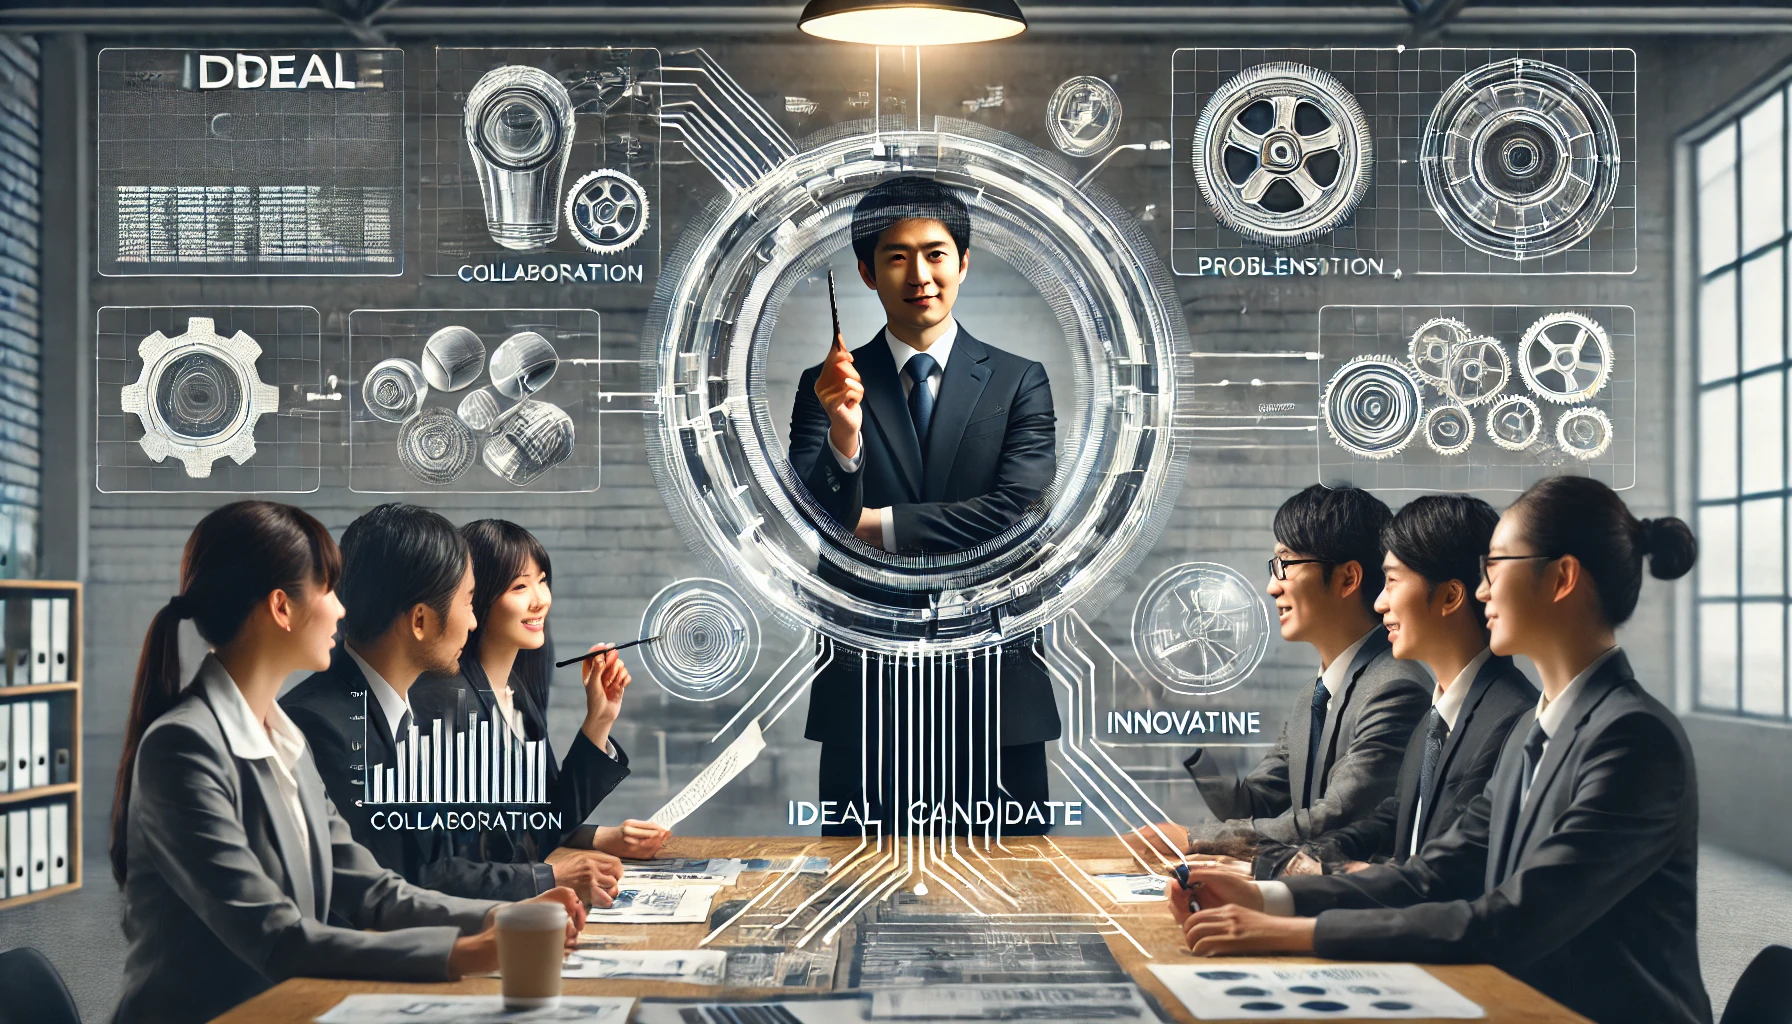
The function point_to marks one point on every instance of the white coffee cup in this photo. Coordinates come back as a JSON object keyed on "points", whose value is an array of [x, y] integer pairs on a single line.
{"points": [[531, 948]]}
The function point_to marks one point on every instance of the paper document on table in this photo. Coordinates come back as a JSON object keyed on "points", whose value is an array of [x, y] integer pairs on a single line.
{"points": [[709, 781], [1302, 992], [656, 903], [721, 870], [1040, 1004], [1134, 888], [693, 966], [365, 1008]]}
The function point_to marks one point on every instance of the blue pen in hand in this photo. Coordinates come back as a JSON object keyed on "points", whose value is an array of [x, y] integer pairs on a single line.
{"points": [[1182, 877]]}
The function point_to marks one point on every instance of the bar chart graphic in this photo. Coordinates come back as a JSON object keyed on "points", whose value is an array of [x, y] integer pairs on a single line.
{"points": [[485, 763]]}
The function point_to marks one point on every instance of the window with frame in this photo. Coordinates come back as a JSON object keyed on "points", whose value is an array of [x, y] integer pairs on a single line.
{"points": [[1739, 416]]}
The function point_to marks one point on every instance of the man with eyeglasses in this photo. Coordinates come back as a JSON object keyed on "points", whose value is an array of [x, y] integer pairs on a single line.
{"points": [[1340, 749]]}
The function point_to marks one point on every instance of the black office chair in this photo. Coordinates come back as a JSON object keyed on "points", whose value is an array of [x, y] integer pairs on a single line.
{"points": [[1763, 995], [31, 992]]}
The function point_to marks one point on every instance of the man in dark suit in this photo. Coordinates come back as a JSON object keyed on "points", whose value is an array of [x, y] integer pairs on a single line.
{"points": [[958, 452], [407, 588], [1428, 605], [1339, 752]]}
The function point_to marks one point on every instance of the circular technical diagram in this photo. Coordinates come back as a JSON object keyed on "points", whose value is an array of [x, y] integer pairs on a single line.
{"points": [[1282, 153], [1476, 371], [1372, 407], [606, 211], [1449, 429], [528, 441], [1565, 358], [1431, 345], [199, 396], [436, 447], [709, 639], [1513, 422], [1083, 116], [1200, 628], [453, 358], [726, 475], [1584, 433], [523, 365], [1520, 158], [394, 390]]}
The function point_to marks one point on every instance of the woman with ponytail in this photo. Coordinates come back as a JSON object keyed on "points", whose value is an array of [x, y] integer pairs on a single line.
{"points": [[1575, 869], [229, 853]]}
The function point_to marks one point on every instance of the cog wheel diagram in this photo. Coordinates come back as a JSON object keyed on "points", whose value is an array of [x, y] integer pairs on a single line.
{"points": [[1513, 422], [1083, 116], [199, 396], [1565, 358], [1282, 153], [1584, 433], [1449, 429], [1432, 345], [1477, 371], [1372, 407], [606, 211]]}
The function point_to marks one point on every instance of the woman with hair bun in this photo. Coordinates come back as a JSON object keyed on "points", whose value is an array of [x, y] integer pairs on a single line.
{"points": [[231, 857], [1575, 870]]}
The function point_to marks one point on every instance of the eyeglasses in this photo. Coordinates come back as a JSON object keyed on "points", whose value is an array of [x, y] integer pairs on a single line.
{"points": [[1508, 558], [1278, 567]]}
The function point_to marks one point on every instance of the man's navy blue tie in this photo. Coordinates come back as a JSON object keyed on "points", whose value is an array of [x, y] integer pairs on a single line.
{"points": [[920, 397], [1321, 698], [1435, 734]]}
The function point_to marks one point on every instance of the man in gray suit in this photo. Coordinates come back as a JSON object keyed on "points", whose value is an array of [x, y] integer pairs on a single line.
{"points": [[1339, 753]]}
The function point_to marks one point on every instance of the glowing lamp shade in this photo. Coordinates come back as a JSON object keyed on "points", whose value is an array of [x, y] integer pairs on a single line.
{"points": [[912, 22]]}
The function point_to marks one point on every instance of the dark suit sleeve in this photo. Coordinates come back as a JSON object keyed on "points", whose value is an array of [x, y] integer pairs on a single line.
{"points": [[1623, 824], [1027, 465], [841, 493], [586, 776], [1366, 838], [1265, 792]]}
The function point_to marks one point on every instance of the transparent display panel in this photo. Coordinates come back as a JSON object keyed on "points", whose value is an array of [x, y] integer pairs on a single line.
{"points": [[230, 162]]}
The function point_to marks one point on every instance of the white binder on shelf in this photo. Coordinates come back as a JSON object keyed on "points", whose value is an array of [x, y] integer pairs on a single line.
{"points": [[5, 754], [21, 746], [40, 743], [6, 678], [58, 844], [18, 854], [40, 848], [59, 658], [40, 639]]}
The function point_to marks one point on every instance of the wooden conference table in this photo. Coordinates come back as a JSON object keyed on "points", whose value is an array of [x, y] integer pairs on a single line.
{"points": [[1506, 1000]]}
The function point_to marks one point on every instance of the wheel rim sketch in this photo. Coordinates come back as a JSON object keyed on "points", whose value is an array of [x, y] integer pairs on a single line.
{"points": [[1200, 628], [394, 390], [1584, 433], [1520, 158], [1083, 116], [453, 358], [709, 639], [1514, 422], [1565, 358], [436, 447], [523, 365], [1477, 371], [1372, 407], [1449, 429], [606, 211], [198, 396], [1282, 153], [1431, 345], [531, 439]]}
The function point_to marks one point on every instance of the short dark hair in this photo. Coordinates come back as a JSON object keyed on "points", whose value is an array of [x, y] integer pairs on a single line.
{"points": [[1580, 516], [1338, 524], [1442, 538], [909, 197], [395, 558]]}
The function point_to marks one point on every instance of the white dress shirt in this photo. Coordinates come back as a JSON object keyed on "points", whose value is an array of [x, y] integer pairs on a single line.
{"points": [[391, 702], [900, 353], [280, 742]]}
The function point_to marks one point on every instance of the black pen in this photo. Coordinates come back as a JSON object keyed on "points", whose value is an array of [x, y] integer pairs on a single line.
{"points": [[618, 647], [1182, 877], [833, 304]]}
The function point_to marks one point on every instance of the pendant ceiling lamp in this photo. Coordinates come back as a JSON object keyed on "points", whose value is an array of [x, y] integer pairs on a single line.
{"points": [[912, 22]]}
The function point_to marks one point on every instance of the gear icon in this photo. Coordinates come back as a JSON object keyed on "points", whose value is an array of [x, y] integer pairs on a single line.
{"points": [[1449, 429], [1514, 423], [606, 211], [1584, 433], [1432, 345], [1373, 406], [1565, 358], [1476, 371], [199, 396]]}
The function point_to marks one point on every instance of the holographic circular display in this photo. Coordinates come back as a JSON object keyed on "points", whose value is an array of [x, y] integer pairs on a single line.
{"points": [[436, 447], [1200, 628], [200, 396], [1372, 407], [395, 390], [708, 639]]}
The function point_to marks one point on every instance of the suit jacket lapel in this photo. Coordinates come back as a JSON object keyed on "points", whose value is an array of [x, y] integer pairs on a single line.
{"points": [[1300, 736], [1411, 763], [960, 387], [1502, 790], [286, 831], [1478, 687], [889, 409], [1334, 715], [311, 798], [1614, 672], [378, 731]]}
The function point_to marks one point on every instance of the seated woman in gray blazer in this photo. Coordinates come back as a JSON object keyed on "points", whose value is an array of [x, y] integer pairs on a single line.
{"points": [[229, 852]]}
